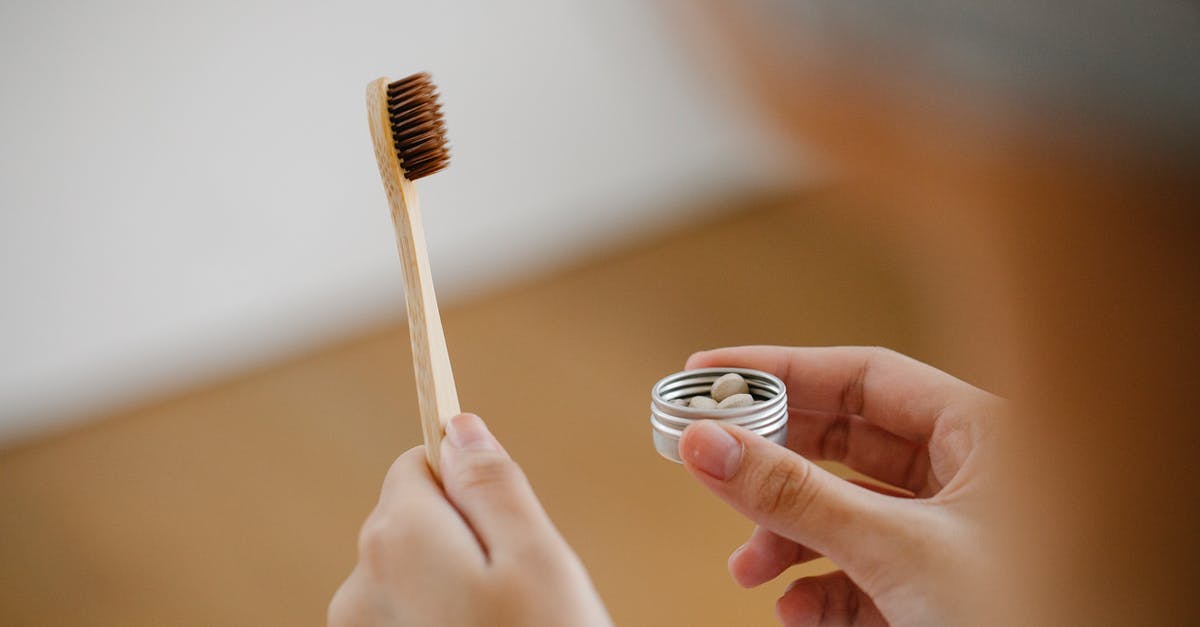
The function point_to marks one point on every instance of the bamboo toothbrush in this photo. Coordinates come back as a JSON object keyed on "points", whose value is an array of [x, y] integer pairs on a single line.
{"points": [[410, 143]]}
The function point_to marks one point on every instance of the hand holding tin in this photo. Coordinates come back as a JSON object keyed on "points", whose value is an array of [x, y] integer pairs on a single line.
{"points": [[900, 422]]}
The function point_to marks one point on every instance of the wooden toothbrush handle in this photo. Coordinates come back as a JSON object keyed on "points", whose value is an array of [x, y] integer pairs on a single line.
{"points": [[437, 396], [436, 393]]}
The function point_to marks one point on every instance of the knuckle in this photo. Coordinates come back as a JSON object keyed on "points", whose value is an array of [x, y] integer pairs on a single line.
{"points": [[379, 540], [853, 398], [524, 575], [374, 539], [835, 439], [784, 487], [880, 352], [876, 355], [488, 470], [540, 555], [345, 608], [401, 467], [512, 583]]}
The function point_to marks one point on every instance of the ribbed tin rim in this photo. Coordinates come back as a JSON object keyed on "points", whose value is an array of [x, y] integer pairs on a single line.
{"points": [[768, 418]]}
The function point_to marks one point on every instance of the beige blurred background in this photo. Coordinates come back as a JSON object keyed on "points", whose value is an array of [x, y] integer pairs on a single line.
{"points": [[205, 371]]}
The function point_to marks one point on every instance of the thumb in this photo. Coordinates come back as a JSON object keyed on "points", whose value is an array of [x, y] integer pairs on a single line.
{"points": [[792, 496], [490, 490]]}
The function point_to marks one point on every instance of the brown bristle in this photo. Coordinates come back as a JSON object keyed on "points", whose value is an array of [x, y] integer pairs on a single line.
{"points": [[417, 127]]}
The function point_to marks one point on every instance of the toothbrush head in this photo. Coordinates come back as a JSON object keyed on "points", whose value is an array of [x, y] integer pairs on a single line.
{"points": [[418, 131]]}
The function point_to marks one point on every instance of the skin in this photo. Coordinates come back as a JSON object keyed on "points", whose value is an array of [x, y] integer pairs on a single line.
{"points": [[910, 426], [914, 428], [481, 552]]}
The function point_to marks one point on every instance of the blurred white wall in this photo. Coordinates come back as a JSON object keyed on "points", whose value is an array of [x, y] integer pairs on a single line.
{"points": [[187, 188]]}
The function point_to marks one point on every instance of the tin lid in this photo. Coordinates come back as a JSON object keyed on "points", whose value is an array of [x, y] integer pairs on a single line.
{"points": [[768, 417]]}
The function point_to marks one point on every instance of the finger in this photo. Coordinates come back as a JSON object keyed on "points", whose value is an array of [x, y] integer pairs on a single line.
{"points": [[408, 483], [865, 447], [793, 497], [764, 556], [831, 600], [490, 490], [413, 521], [900, 394]]}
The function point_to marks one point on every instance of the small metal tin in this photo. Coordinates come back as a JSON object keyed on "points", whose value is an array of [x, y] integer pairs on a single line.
{"points": [[768, 418]]}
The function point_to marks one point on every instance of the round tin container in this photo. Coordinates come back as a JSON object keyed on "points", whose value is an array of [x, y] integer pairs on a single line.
{"points": [[767, 418]]}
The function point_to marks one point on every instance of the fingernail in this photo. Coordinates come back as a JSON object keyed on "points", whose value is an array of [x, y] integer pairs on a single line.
{"points": [[736, 553], [711, 449], [467, 432], [733, 557]]}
